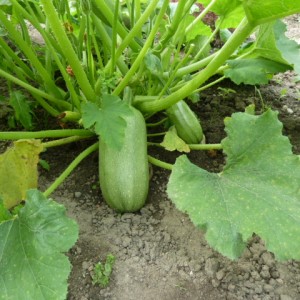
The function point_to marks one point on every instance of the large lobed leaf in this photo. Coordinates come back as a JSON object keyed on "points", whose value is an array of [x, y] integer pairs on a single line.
{"points": [[31, 261], [107, 120], [257, 192]]}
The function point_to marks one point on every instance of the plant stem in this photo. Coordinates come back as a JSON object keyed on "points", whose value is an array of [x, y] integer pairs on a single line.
{"points": [[64, 141], [106, 40], [205, 146], [33, 90], [135, 31], [143, 51], [50, 51], [172, 28], [159, 163], [70, 168], [114, 37], [192, 67], [157, 123], [60, 133], [194, 146], [66, 46], [200, 16], [241, 33], [31, 55], [101, 6], [156, 134]]}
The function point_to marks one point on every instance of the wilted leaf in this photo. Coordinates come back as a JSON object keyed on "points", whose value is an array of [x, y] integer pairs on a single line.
{"points": [[18, 170], [108, 120], [31, 261], [173, 142], [257, 192]]}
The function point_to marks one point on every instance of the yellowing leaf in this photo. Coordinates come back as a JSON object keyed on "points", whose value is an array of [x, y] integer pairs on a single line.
{"points": [[18, 170], [173, 142]]}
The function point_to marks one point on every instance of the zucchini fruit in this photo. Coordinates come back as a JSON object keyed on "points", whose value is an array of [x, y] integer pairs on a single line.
{"points": [[124, 173], [187, 124]]}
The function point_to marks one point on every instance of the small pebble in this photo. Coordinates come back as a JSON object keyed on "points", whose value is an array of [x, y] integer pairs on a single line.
{"points": [[77, 194]]}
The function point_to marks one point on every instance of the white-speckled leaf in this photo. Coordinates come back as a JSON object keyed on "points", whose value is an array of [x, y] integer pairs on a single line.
{"points": [[31, 261], [257, 192]]}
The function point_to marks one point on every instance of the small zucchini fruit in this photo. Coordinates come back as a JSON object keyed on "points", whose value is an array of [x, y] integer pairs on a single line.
{"points": [[124, 173], [187, 124]]}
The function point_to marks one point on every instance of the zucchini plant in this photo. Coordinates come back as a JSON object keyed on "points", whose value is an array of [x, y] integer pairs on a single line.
{"points": [[107, 68]]}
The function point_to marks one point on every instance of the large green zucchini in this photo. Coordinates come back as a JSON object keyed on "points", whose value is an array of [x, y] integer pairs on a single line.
{"points": [[124, 174], [187, 124]]}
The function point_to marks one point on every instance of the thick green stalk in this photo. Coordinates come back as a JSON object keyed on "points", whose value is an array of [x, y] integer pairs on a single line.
{"points": [[194, 146], [16, 59], [102, 7], [157, 123], [207, 42], [57, 102], [173, 27], [137, 11], [143, 51], [200, 16], [107, 43], [66, 46], [64, 141], [159, 163], [174, 71], [30, 55], [114, 37], [240, 34], [50, 51], [60, 133], [192, 67], [205, 146], [70, 168], [135, 31]]}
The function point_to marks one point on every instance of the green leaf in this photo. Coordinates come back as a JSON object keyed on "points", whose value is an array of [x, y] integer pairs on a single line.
{"points": [[18, 170], [271, 43], [22, 109], [253, 70], [102, 273], [259, 11], [4, 212], [153, 64], [31, 260], [197, 29], [230, 12], [173, 142], [289, 49], [257, 192], [108, 120]]}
